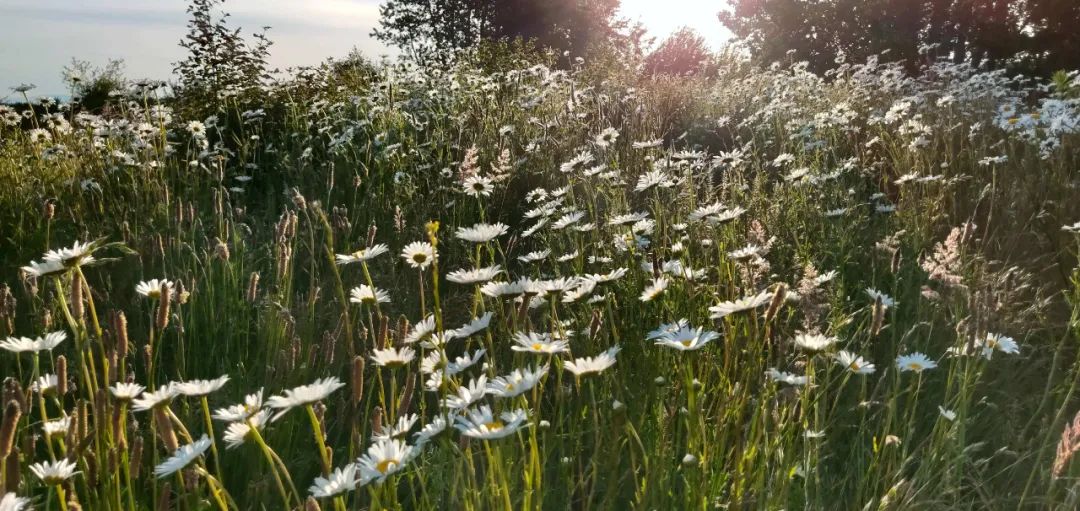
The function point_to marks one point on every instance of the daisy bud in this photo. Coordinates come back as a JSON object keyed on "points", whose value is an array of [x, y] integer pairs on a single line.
{"points": [[660, 381], [12, 414], [689, 461], [61, 375], [357, 379], [384, 332]]}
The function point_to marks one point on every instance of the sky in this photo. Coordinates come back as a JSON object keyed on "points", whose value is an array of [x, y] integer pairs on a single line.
{"points": [[39, 37]]}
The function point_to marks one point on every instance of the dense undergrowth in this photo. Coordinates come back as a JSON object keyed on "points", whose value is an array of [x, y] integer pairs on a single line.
{"points": [[765, 290]]}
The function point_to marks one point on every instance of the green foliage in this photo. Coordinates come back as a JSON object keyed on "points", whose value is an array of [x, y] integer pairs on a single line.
{"points": [[1029, 35]]}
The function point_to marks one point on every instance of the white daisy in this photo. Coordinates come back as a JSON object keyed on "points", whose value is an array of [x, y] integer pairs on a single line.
{"points": [[393, 357], [516, 383], [364, 254], [854, 363], [482, 233], [539, 342], [341, 480], [196, 388], [686, 338], [383, 459], [784, 377], [745, 303], [367, 295], [474, 275], [586, 366], [305, 394], [54, 472], [482, 423], [916, 362], [419, 254], [152, 288], [814, 342], [654, 289], [182, 457]]}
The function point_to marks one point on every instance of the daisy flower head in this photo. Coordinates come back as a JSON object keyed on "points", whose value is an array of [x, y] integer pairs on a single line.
{"points": [[396, 430], [341, 480], [467, 395], [482, 423], [606, 138], [578, 163], [383, 459], [54, 472], [78, 254], [654, 289], [745, 303], [419, 254], [154, 399], [875, 295], [57, 427], [420, 330], [477, 186], [367, 295], [813, 342], [240, 432], [24, 344], [854, 363], [997, 342], [539, 342], [433, 429], [126, 391], [473, 327], [252, 404], [785, 377], [304, 395], [152, 288], [516, 383], [362, 255], [474, 275], [12, 502], [587, 366], [198, 388], [482, 233], [183, 457], [916, 362], [393, 357], [686, 338], [44, 268]]}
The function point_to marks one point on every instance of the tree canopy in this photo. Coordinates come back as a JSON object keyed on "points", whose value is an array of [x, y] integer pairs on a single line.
{"points": [[1037, 36], [432, 30]]}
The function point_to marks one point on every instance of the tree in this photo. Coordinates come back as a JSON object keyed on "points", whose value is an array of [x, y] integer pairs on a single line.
{"points": [[434, 30], [1036, 36], [219, 59], [683, 53]]}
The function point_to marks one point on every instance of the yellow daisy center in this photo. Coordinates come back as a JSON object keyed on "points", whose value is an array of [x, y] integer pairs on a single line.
{"points": [[385, 465], [494, 425], [537, 346]]}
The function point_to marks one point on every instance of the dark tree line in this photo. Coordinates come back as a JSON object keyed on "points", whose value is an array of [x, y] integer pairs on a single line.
{"points": [[432, 30], [1034, 36]]}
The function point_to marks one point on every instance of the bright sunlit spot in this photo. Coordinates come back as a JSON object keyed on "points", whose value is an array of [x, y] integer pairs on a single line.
{"points": [[662, 17]]}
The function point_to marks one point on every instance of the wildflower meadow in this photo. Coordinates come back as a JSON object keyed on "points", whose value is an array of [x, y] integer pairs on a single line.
{"points": [[531, 287]]}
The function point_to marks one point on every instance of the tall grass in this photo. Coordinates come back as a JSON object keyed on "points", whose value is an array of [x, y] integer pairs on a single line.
{"points": [[872, 214]]}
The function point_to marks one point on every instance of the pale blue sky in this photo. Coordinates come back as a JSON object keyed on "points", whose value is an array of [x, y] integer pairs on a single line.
{"points": [[39, 37]]}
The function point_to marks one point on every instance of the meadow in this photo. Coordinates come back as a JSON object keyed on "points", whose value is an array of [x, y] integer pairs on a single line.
{"points": [[413, 288]]}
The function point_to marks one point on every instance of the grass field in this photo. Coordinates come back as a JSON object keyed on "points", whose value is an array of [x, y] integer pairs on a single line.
{"points": [[541, 289]]}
